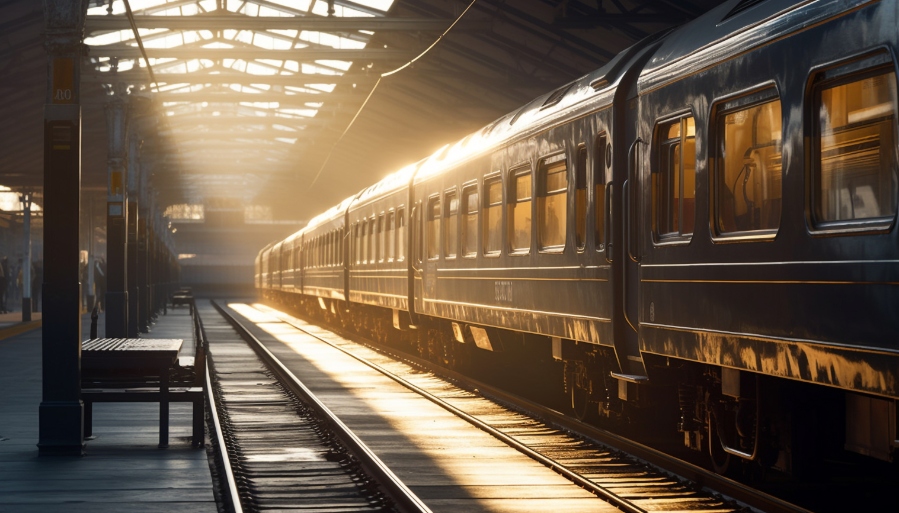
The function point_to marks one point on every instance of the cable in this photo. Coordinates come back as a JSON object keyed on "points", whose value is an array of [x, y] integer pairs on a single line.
{"points": [[140, 43], [372, 92]]}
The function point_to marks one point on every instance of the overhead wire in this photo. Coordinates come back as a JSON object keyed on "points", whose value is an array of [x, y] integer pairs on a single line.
{"points": [[140, 43], [375, 87]]}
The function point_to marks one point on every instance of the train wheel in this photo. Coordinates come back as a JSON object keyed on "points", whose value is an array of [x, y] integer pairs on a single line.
{"points": [[580, 402], [717, 456]]}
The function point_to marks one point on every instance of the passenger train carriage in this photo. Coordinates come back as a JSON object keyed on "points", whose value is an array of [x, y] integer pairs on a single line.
{"points": [[711, 214]]}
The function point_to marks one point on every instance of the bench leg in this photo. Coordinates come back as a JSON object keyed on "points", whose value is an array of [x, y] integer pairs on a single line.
{"points": [[199, 422], [164, 410], [88, 419]]}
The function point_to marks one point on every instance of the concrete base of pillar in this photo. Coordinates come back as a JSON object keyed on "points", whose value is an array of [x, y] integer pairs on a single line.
{"points": [[61, 428], [26, 309]]}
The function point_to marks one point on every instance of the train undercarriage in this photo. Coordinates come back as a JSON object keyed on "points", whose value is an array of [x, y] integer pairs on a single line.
{"points": [[744, 423]]}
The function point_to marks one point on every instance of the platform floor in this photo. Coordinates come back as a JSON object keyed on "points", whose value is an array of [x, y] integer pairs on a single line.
{"points": [[122, 469]]}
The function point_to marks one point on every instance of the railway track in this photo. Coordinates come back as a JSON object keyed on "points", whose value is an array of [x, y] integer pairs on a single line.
{"points": [[632, 477], [283, 449]]}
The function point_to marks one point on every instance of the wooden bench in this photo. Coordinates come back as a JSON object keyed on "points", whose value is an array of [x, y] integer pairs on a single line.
{"points": [[143, 370], [183, 296]]}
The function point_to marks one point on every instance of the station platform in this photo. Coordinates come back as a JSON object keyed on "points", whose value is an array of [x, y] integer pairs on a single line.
{"points": [[122, 469]]}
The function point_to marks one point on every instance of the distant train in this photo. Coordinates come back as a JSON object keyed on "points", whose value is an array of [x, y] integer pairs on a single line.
{"points": [[705, 225]]}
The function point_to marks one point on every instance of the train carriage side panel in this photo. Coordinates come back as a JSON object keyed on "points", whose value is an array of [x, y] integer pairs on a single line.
{"points": [[377, 245], [542, 258], [780, 256], [324, 275]]}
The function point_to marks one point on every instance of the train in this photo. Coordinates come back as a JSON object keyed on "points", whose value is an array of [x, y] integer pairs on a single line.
{"points": [[704, 228]]}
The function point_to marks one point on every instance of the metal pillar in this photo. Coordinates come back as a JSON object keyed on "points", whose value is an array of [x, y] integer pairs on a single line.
{"points": [[143, 314], [134, 286], [25, 199], [131, 275], [61, 409], [116, 222], [91, 297]]}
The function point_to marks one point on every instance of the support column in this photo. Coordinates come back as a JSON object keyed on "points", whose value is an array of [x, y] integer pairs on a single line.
{"points": [[61, 410], [25, 199], [91, 296], [142, 276], [116, 306], [135, 214], [131, 276]]}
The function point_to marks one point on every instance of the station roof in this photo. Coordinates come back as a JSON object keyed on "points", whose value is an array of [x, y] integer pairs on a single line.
{"points": [[249, 100]]}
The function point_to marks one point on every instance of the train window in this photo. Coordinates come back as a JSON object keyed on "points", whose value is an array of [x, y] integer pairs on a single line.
{"points": [[552, 203], [470, 222], [400, 234], [390, 244], [434, 228], [520, 210], [372, 240], [601, 157], [493, 212], [749, 174], [674, 179], [365, 241], [451, 231], [580, 198], [357, 242], [856, 173], [382, 233]]}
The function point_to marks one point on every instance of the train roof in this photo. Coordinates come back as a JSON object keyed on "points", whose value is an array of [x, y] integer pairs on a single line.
{"points": [[597, 86], [724, 30], [391, 182], [335, 212]]}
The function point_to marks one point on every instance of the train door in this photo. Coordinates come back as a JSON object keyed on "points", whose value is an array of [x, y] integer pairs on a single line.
{"points": [[626, 247], [415, 236]]}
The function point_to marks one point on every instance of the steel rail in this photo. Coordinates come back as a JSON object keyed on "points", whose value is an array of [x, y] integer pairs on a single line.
{"points": [[232, 497], [405, 499], [560, 469], [707, 479]]}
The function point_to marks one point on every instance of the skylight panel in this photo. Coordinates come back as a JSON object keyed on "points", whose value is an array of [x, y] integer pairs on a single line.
{"points": [[291, 33], [109, 38], [254, 68], [293, 5], [343, 65], [381, 5], [244, 36]]}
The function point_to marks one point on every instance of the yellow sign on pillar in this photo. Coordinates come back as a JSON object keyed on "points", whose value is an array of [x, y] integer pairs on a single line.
{"points": [[63, 81]]}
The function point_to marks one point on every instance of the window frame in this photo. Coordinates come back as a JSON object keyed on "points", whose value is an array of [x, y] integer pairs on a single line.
{"points": [[382, 234], [492, 178], [674, 238], [599, 167], [434, 198], [390, 233], [848, 71], [512, 193], [743, 100], [452, 192], [400, 220], [466, 191], [542, 193]]}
